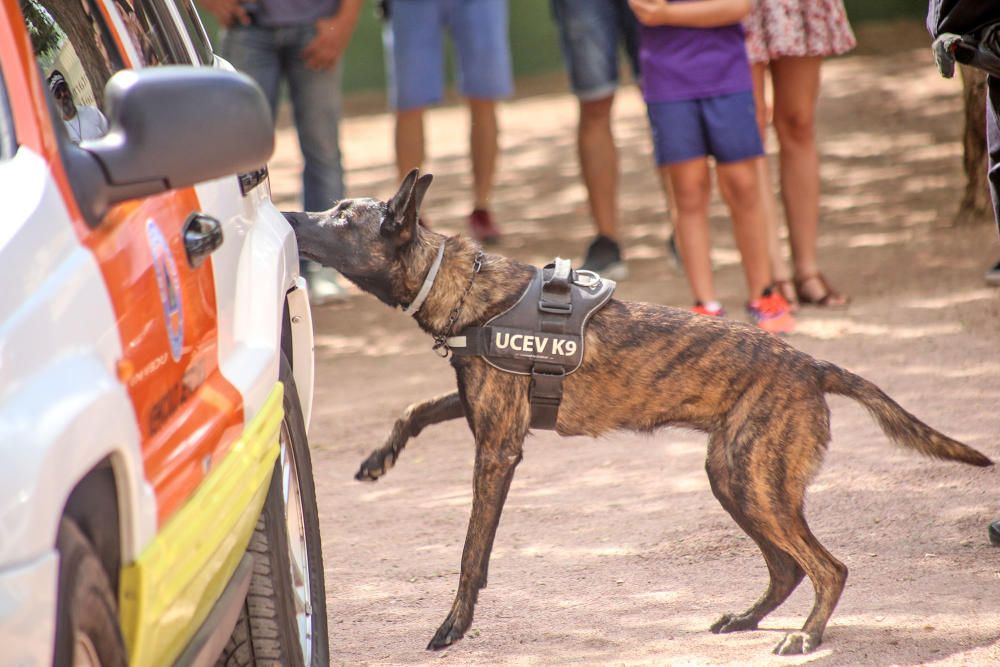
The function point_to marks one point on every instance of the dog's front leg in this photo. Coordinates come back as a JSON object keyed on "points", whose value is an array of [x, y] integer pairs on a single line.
{"points": [[415, 418], [496, 459]]}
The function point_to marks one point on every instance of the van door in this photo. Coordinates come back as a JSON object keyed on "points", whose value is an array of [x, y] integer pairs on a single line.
{"points": [[163, 297]]}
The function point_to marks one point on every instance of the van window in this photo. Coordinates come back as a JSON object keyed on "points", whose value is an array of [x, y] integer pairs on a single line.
{"points": [[196, 30], [8, 143], [77, 55], [144, 31]]}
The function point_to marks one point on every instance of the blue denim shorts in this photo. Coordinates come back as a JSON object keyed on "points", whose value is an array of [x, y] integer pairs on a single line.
{"points": [[724, 126], [591, 32], [414, 50]]}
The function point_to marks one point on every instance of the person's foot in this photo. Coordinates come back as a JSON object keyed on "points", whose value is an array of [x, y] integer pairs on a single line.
{"points": [[482, 226], [815, 290], [992, 276], [711, 309], [771, 313], [324, 288], [994, 532], [604, 257], [786, 288]]}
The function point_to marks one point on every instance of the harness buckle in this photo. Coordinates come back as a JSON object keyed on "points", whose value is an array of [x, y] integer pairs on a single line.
{"points": [[546, 384], [555, 308], [586, 279]]}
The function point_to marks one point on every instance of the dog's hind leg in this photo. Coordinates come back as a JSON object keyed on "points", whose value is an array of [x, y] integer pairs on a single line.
{"points": [[414, 419], [785, 573], [828, 576], [770, 462], [496, 459]]}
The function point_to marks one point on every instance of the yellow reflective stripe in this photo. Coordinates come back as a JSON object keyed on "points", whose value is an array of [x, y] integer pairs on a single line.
{"points": [[167, 593]]}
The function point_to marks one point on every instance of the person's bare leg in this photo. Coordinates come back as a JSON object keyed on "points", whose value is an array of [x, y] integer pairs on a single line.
{"points": [[483, 146], [796, 90], [691, 186], [409, 140], [741, 192], [599, 164], [779, 267]]}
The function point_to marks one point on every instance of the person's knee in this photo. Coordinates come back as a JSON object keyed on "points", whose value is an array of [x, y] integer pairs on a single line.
{"points": [[410, 120], [483, 113], [692, 195], [738, 185], [795, 126], [596, 112]]}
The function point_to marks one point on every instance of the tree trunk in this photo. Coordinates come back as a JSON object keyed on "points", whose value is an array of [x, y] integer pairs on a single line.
{"points": [[975, 207]]}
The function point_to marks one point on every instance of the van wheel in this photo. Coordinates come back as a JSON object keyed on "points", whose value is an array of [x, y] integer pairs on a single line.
{"points": [[87, 632], [284, 618]]}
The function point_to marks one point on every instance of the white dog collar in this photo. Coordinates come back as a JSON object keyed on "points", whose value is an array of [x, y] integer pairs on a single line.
{"points": [[425, 289]]}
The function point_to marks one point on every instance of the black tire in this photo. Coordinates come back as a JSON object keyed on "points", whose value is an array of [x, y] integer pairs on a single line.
{"points": [[87, 613], [267, 632]]}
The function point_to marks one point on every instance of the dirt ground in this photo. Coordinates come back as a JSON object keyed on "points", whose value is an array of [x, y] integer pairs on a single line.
{"points": [[614, 551]]}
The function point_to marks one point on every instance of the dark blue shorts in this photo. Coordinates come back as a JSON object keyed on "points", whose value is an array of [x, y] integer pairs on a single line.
{"points": [[724, 127]]}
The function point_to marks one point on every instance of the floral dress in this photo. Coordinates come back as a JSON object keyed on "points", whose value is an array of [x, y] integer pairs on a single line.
{"points": [[781, 28]]}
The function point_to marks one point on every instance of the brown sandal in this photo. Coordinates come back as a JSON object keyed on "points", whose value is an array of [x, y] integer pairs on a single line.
{"points": [[829, 298], [786, 289]]}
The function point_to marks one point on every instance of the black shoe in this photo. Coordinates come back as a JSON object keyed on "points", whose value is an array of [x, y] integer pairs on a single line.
{"points": [[604, 257], [993, 275], [673, 254], [994, 532]]}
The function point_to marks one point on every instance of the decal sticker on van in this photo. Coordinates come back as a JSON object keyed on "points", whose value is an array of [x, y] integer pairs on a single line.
{"points": [[168, 280]]}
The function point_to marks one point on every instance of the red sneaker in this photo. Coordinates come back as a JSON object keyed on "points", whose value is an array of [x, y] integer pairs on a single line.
{"points": [[771, 313], [482, 226], [701, 309]]}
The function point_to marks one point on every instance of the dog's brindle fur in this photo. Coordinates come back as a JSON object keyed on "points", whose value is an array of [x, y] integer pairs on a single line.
{"points": [[760, 401]]}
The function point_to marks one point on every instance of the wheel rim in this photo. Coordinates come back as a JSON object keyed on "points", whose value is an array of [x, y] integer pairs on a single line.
{"points": [[84, 651], [298, 548]]}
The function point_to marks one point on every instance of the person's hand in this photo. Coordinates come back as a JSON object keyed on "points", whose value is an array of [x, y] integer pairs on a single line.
{"points": [[324, 50], [226, 12], [650, 12]]}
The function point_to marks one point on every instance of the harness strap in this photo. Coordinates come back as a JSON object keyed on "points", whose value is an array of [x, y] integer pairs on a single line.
{"points": [[556, 301], [545, 394], [556, 305]]}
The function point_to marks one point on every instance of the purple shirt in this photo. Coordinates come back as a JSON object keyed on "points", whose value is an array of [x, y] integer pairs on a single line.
{"points": [[691, 63]]}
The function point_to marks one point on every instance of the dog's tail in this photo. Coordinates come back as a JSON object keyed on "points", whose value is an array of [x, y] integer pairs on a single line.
{"points": [[901, 427]]}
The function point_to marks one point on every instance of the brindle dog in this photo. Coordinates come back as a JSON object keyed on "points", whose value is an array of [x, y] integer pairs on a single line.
{"points": [[760, 401]]}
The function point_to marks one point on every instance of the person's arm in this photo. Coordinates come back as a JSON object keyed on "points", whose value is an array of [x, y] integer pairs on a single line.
{"points": [[226, 12], [694, 14], [333, 33]]}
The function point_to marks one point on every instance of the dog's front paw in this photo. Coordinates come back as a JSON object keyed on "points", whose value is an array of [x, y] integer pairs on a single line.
{"points": [[451, 631], [377, 464], [797, 643], [733, 623]]}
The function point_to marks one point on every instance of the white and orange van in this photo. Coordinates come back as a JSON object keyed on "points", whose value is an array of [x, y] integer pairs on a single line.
{"points": [[157, 505]]}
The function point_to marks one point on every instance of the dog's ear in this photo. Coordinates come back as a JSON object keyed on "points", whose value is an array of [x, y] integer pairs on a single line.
{"points": [[420, 189], [401, 222], [398, 202]]}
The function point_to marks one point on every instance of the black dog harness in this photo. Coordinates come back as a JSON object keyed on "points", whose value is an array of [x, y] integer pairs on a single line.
{"points": [[542, 335]]}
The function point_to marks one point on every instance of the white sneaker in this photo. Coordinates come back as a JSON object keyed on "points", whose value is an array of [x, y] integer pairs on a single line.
{"points": [[323, 287], [992, 276]]}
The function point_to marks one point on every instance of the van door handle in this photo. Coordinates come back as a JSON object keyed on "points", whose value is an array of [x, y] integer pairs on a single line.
{"points": [[202, 236]]}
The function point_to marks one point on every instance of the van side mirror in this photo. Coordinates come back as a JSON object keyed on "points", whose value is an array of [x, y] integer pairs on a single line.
{"points": [[171, 127]]}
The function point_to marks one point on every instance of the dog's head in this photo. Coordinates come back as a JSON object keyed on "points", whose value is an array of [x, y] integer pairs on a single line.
{"points": [[369, 241]]}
